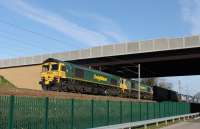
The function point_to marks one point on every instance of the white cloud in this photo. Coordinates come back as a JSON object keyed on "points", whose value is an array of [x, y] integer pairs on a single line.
{"points": [[191, 14], [110, 28], [104, 25], [71, 29]]}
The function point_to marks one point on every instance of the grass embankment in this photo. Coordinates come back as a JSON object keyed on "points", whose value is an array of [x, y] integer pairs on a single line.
{"points": [[4, 83]]}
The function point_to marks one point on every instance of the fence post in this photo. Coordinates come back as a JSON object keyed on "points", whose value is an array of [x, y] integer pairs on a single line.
{"points": [[176, 108], [154, 110], [46, 112], [159, 115], [92, 112], [120, 111], [164, 109], [11, 112], [108, 113], [72, 113], [140, 106], [147, 104], [131, 111]]}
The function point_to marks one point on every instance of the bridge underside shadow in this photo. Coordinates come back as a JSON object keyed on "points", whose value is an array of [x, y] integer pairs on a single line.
{"points": [[153, 64]]}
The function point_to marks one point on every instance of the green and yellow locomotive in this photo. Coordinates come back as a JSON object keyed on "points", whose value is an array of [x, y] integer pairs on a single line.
{"points": [[64, 76]]}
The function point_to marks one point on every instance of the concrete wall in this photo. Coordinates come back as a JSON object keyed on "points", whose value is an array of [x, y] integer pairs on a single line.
{"points": [[23, 77]]}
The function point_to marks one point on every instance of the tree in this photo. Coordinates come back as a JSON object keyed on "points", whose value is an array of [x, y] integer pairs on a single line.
{"points": [[157, 82], [197, 94], [163, 83]]}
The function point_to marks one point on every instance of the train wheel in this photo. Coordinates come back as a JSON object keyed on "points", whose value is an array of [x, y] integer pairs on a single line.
{"points": [[64, 87], [106, 92], [44, 87], [58, 87]]}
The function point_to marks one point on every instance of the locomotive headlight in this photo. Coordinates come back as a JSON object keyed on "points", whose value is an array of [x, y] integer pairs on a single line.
{"points": [[56, 78]]}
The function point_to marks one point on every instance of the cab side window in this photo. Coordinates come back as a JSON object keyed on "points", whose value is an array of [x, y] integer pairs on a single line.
{"points": [[54, 67], [45, 68]]}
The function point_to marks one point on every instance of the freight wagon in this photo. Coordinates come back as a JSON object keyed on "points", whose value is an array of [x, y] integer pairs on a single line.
{"points": [[163, 94]]}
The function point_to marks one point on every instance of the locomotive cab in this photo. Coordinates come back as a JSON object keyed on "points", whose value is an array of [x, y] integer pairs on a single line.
{"points": [[124, 84], [52, 72]]}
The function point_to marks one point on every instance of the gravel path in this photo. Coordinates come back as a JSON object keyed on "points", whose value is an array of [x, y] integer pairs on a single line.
{"points": [[193, 124]]}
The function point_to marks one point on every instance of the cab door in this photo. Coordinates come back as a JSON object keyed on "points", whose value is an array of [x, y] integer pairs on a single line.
{"points": [[62, 70]]}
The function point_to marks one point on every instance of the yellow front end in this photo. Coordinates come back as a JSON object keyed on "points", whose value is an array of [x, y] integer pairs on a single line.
{"points": [[52, 73], [123, 84]]}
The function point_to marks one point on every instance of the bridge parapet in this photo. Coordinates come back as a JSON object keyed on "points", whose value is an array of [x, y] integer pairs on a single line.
{"points": [[110, 50]]}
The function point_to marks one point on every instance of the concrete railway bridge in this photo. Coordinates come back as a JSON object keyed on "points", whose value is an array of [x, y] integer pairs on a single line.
{"points": [[157, 57]]}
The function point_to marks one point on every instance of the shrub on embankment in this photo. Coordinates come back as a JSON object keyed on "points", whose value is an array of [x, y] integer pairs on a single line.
{"points": [[4, 83]]}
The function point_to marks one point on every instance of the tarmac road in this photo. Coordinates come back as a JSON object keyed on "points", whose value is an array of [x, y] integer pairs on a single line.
{"points": [[193, 124]]}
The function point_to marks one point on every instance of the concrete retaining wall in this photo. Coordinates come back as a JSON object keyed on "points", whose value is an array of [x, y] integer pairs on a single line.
{"points": [[23, 77]]}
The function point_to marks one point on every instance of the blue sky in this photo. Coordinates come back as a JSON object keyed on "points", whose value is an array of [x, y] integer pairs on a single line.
{"points": [[31, 27]]}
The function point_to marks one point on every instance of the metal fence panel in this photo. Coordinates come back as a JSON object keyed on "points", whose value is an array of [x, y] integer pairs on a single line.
{"points": [[135, 111], [100, 113], [162, 109], [28, 113], [4, 111], [156, 110], [114, 112], [82, 114], [143, 111], [45, 113], [188, 108], [180, 108], [150, 110], [126, 112], [170, 110], [167, 107], [59, 114], [173, 109]]}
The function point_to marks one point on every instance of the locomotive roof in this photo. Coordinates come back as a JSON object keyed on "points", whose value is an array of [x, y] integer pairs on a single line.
{"points": [[52, 60], [82, 67]]}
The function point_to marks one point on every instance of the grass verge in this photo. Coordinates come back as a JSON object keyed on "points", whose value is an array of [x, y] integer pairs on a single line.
{"points": [[4, 83]]}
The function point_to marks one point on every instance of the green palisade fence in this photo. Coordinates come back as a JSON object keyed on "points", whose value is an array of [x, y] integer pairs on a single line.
{"points": [[52, 113]]}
